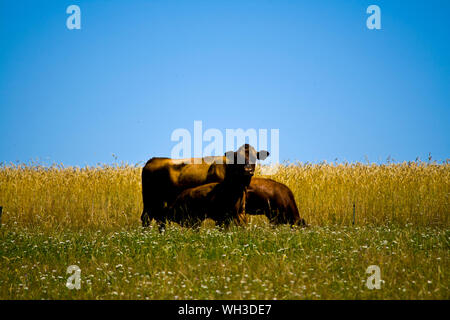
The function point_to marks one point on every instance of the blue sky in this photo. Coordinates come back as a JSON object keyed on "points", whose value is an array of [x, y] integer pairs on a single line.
{"points": [[137, 70]]}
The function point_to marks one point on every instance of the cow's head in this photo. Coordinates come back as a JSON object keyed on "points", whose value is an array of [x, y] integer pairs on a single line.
{"points": [[243, 161]]}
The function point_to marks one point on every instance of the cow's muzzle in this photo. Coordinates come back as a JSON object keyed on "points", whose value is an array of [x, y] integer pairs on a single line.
{"points": [[249, 170]]}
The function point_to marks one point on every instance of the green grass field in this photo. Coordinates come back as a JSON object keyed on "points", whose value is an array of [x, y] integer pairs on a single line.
{"points": [[57, 217]]}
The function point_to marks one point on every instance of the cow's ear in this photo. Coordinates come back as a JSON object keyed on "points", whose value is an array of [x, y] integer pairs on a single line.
{"points": [[262, 155], [229, 155]]}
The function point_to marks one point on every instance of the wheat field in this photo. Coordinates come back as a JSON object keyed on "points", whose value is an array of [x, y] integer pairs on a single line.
{"points": [[58, 216], [110, 195]]}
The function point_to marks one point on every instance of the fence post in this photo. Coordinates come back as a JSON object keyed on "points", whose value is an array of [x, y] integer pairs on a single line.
{"points": [[354, 213], [1, 209]]}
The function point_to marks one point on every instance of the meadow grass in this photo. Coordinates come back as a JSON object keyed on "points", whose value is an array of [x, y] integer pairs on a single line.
{"points": [[54, 217]]}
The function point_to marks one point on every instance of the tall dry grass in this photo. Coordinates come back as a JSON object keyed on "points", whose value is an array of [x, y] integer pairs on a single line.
{"points": [[55, 217], [413, 192], [63, 197], [110, 195]]}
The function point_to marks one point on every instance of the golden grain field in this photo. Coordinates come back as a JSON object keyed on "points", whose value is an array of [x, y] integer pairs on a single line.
{"points": [[110, 195], [56, 217]]}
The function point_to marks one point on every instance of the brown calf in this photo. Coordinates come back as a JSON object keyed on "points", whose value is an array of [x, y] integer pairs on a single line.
{"points": [[274, 200]]}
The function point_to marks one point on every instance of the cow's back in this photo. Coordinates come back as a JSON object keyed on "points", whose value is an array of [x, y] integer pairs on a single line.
{"points": [[163, 179]]}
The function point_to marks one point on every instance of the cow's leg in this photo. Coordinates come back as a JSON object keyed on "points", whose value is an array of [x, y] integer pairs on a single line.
{"points": [[224, 223], [149, 213], [242, 219], [146, 201], [161, 219], [275, 218], [149, 208], [271, 216], [195, 224], [145, 218], [152, 197], [271, 213], [161, 225], [301, 223], [283, 219], [156, 211]]}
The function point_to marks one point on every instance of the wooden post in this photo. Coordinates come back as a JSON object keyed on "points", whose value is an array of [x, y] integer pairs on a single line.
{"points": [[354, 213], [1, 209]]}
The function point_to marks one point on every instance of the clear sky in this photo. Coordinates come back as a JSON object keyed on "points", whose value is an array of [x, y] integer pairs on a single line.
{"points": [[137, 70]]}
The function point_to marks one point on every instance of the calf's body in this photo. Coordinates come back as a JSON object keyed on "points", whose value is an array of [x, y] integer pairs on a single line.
{"points": [[163, 179], [274, 200], [221, 202]]}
